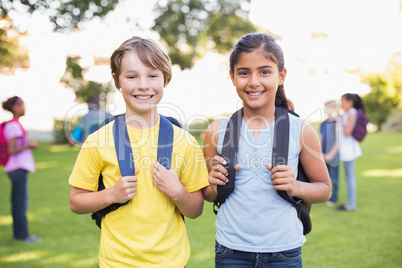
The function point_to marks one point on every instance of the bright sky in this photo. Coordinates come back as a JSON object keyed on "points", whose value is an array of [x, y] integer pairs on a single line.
{"points": [[361, 34]]}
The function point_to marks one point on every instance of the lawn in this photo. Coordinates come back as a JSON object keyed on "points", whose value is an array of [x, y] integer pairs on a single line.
{"points": [[368, 237]]}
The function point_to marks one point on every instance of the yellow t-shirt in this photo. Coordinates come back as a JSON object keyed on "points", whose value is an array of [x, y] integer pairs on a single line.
{"points": [[149, 231]]}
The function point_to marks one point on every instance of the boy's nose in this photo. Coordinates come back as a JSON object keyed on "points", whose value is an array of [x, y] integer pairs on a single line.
{"points": [[143, 83]]}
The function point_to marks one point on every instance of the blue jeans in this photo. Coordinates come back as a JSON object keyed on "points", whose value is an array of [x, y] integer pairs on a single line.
{"points": [[19, 202], [229, 258], [334, 175], [350, 177]]}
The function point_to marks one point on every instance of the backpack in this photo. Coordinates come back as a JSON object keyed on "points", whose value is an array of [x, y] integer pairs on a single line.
{"points": [[360, 129], [125, 155], [4, 155], [279, 156]]}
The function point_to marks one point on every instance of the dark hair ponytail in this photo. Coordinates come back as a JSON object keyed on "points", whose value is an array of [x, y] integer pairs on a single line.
{"points": [[358, 103], [9, 103], [253, 41]]}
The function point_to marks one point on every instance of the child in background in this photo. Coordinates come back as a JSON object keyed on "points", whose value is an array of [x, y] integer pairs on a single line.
{"points": [[349, 148], [329, 146], [255, 226], [21, 162], [91, 121], [149, 231]]}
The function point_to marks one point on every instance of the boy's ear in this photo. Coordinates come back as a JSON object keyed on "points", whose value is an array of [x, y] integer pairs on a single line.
{"points": [[116, 80]]}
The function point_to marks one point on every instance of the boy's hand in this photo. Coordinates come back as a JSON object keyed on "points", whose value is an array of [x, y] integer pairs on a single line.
{"points": [[167, 181], [283, 178], [125, 188]]}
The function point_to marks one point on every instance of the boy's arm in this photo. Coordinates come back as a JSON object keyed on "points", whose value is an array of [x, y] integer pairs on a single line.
{"points": [[84, 201], [167, 181]]}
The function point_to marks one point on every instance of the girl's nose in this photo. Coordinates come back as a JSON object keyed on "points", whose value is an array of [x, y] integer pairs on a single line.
{"points": [[254, 80]]}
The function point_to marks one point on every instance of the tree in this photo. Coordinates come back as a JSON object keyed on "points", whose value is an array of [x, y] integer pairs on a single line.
{"points": [[191, 27], [12, 54], [381, 100], [83, 89], [65, 15]]}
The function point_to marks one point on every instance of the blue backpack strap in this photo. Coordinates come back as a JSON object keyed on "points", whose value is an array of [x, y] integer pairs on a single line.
{"points": [[123, 147], [165, 142], [125, 155]]}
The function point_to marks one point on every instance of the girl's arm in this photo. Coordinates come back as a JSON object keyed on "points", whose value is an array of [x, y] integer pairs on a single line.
{"points": [[13, 149], [84, 201], [217, 173], [318, 189], [167, 181], [347, 130]]}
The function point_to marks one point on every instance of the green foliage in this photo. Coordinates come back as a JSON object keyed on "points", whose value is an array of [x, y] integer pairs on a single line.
{"points": [[65, 15], [83, 89], [187, 26], [368, 237], [197, 129], [12, 54], [381, 99]]}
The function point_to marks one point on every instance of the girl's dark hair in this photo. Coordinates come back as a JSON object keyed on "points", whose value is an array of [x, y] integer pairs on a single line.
{"points": [[8, 104], [253, 41], [358, 103]]}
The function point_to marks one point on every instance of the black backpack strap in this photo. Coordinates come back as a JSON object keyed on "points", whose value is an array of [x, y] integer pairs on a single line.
{"points": [[229, 153], [280, 153], [280, 150]]}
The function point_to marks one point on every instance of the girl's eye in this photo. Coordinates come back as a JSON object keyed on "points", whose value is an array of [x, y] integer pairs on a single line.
{"points": [[131, 77], [265, 72], [243, 73]]}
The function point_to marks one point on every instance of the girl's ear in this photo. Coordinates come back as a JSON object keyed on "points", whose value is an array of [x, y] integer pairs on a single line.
{"points": [[232, 77], [282, 76]]}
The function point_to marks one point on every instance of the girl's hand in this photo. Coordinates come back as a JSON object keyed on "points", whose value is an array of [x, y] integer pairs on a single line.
{"points": [[218, 174], [32, 144], [124, 189], [167, 181], [283, 179]]}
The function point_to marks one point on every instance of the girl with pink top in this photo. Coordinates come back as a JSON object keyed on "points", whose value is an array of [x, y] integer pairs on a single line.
{"points": [[21, 162]]}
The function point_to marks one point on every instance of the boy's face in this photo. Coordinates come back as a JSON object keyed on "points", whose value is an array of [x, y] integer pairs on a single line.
{"points": [[141, 86]]}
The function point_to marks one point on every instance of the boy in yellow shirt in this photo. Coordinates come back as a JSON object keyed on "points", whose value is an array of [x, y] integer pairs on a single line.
{"points": [[149, 230]]}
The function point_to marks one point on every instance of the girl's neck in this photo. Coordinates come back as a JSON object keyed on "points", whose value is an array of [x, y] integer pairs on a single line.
{"points": [[259, 118]]}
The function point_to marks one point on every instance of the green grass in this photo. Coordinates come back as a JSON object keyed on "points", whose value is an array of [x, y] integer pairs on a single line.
{"points": [[368, 237]]}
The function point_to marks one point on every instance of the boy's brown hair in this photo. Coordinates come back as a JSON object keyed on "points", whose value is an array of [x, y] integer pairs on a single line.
{"points": [[149, 52]]}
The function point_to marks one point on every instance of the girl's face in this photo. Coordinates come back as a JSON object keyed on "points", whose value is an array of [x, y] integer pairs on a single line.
{"points": [[256, 79], [141, 86], [346, 104], [19, 109]]}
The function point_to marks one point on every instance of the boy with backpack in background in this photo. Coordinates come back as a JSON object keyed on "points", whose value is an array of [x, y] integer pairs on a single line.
{"points": [[329, 147], [149, 230]]}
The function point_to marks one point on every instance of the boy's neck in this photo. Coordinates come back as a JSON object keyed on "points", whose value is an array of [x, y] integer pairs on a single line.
{"points": [[142, 121]]}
